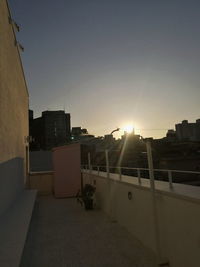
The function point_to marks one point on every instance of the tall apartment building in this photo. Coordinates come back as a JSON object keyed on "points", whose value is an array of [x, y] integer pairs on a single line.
{"points": [[52, 129], [188, 131]]}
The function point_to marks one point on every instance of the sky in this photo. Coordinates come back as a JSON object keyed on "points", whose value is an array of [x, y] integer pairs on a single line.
{"points": [[110, 63]]}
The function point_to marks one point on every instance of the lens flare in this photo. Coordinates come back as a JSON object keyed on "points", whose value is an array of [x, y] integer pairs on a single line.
{"points": [[128, 128]]}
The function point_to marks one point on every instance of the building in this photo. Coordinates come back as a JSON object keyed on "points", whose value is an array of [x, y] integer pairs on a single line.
{"points": [[81, 135], [16, 203], [13, 113], [76, 131], [50, 130], [188, 131], [171, 136]]}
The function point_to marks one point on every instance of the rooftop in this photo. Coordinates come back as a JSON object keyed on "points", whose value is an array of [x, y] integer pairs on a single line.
{"points": [[62, 233]]}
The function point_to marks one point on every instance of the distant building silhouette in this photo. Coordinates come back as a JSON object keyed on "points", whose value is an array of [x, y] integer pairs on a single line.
{"points": [[171, 135], [76, 131], [80, 135], [188, 131], [50, 130]]}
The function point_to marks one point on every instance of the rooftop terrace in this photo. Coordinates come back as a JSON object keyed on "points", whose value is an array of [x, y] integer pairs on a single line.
{"points": [[62, 234]]}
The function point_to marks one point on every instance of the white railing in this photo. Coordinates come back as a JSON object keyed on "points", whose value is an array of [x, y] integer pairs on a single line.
{"points": [[137, 176], [151, 171], [139, 172], [162, 208]]}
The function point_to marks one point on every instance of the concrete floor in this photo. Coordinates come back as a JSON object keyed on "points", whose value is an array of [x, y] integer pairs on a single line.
{"points": [[63, 234]]}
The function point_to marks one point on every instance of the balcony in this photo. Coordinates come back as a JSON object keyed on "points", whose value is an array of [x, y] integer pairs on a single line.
{"points": [[137, 221], [62, 233], [165, 220]]}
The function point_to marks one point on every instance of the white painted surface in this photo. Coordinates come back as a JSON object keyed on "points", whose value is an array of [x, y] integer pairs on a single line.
{"points": [[178, 214]]}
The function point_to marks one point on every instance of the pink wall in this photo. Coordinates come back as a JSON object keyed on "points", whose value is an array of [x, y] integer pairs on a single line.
{"points": [[67, 168]]}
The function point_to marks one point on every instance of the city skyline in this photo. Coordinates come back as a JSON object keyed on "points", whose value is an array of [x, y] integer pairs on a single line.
{"points": [[112, 63]]}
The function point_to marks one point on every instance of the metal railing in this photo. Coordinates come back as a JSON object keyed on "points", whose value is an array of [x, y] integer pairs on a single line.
{"points": [[143, 173]]}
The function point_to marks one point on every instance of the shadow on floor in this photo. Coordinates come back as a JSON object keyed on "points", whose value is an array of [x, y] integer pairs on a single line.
{"points": [[63, 234]]}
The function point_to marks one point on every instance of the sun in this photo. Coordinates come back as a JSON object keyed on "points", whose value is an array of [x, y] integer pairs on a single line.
{"points": [[128, 128]]}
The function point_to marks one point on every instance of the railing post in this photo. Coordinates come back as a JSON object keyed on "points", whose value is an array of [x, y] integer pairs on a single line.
{"points": [[107, 164], [170, 179], [89, 162], [90, 168], [139, 176], [98, 170], [152, 184], [120, 173], [150, 164]]}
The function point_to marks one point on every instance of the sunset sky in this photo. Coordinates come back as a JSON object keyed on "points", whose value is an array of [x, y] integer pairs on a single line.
{"points": [[113, 62]]}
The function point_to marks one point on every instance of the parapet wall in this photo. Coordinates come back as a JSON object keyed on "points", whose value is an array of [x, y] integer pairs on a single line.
{"points": [[41, 161], [42, 182], [172, 228]]}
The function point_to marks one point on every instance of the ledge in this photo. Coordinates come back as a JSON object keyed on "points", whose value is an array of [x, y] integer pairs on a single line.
{"points": [[187, 192], [32, 173], [14, 226]]}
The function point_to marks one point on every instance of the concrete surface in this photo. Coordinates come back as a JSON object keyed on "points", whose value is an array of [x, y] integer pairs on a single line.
{"points": [[169, 225], [14, 225], [42, 182], [62, 234]]}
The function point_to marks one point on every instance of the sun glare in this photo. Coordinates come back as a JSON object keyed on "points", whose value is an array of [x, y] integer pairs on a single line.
{"points": [[128, 128]]}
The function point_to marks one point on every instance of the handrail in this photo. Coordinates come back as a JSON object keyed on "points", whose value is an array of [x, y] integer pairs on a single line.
{"points": [[145, 169], [138, 172]]}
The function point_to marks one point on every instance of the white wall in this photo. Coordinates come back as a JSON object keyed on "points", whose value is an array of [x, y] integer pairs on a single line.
{"points": [[178, 217]]}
